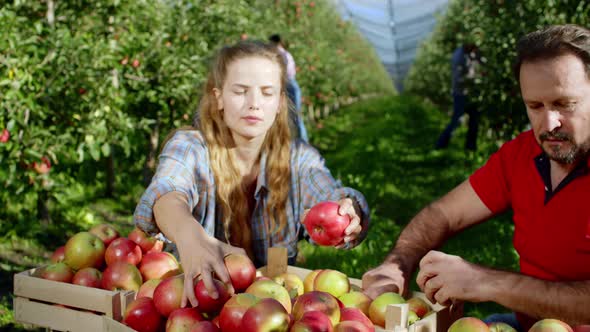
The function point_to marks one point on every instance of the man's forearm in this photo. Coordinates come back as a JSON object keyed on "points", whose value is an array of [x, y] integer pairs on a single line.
{"points": [[568, 301], [426, 231]]}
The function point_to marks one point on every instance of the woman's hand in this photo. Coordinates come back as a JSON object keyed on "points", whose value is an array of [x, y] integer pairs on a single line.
{"points": [[353, 230], [203, 255]]}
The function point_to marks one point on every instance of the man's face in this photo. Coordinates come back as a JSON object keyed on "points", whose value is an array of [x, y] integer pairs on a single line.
{"points": [[250, 97], [556, 93]]}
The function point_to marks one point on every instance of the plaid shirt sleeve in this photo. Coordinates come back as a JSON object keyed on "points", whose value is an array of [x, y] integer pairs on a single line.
{"points": [[317, 185], [178, 163]]}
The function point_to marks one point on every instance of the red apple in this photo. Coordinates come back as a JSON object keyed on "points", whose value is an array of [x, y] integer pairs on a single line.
{"points": [[84, 250], [309, 280], [356, 299], [550, 325], [57, 272], [581, 328], [379, 305], [352, 326], [123, 249], [266, 316], [313, 321], [121, 275], [317, 301], [324, 225], [58, 255], [230, 317], [357, 315], [206, 302], [158, 265], [147, 288], [419, 306], [168, 295], [270, 289], [107, 233], [241, 271], [143, 240], [333, 282], [204, 326], [470, 324], [182, 319], [89, 277], [5, 136], [141, 315]]}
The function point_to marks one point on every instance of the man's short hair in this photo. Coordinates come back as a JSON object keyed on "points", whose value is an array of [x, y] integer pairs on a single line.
{"points": [[551, 42]]}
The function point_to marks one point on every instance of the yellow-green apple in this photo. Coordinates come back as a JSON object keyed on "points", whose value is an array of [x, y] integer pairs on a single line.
{"points": [[291, 282], [141, 315], [265, 316], [147, 288], [144, 241], [107, 233], [317, 301], [501, 327], [57, 272], [550, 325], [158, 265], [241, 271], [89, 277], [469, 324], [356, 314], [412, 317], [206, 302], [84, 250], [58, 255], [270, 289], [168, 295], [379, 305], [204, 326], [333, 282], [352, 326], [123, 249], [356, 299], [418, 306], [121, 276], [313, 321], [325, 225], [230, 317], [309, 280], [181, 319]]}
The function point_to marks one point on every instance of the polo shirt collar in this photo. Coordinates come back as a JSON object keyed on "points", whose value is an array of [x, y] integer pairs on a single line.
{"points": [[543, 166]]}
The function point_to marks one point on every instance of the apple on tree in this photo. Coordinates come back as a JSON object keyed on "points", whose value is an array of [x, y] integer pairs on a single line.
{"points": [[325, 225]]}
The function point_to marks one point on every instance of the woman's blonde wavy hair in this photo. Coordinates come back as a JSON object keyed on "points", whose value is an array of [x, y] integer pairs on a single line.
{"points": [[231, 193]]}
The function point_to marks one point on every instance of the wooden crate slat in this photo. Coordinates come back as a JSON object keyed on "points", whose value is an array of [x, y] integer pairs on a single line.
{"points": [[54, 317]]}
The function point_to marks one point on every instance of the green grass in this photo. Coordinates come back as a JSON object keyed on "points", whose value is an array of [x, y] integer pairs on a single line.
{"points": [[382, 147]]}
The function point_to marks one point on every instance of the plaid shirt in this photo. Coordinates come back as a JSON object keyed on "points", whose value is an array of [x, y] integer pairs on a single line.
{"points": [[184, 167]]}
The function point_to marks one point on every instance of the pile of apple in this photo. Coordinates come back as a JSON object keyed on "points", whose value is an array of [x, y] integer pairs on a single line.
{"points": [[100, 258], [472, 324], [322, 301]]}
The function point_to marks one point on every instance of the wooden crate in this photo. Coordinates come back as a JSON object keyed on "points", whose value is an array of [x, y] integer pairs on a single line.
{"points": [[87, 309], [396, 317]]}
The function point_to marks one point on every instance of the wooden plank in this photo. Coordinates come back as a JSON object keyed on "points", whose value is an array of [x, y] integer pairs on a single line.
{"points": [[277, 261], [95, 299], [110, 325], [54, 317]]}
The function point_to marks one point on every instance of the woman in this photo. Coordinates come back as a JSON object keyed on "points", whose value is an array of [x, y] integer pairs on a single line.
{"points": [[236, 182]]}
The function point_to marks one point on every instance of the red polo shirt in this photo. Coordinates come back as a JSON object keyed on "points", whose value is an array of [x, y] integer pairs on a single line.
{"points": [[552, 228]]}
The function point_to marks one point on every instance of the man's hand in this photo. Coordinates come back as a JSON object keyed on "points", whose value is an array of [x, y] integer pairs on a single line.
{"points": [[387, 277], [447, 278]]}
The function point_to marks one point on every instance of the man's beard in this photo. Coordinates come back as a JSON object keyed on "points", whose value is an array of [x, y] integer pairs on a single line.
{"points": [[572, 155]]}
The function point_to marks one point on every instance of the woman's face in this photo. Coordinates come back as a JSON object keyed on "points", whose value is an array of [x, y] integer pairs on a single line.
{"points": [[250, 97]]}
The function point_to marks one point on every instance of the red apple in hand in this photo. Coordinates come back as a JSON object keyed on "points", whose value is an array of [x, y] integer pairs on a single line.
{"points": [[84, 250], [58, 255], [141, 315], [105, 232], [241, 271], [121, 275], [57, 272], [206, 302], [123, 249], [324, 225], [89, 277]]}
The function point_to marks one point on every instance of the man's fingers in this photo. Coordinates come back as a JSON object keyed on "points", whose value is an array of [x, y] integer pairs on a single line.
{"points": [[189, 292], [424, 275], [431, 257], [431, 287]]}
